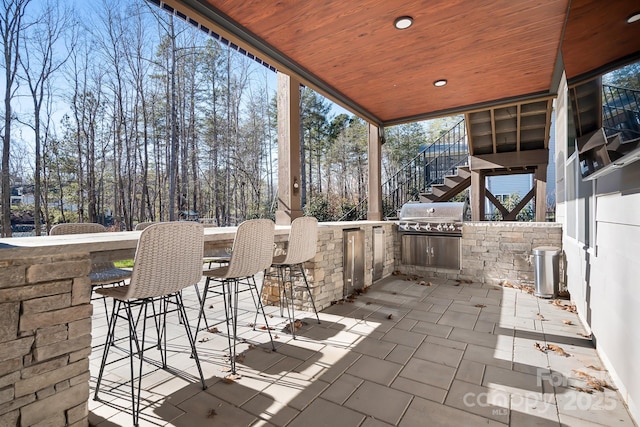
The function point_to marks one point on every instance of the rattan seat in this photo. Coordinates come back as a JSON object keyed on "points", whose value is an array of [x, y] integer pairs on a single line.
{"points": [[168, 259]]}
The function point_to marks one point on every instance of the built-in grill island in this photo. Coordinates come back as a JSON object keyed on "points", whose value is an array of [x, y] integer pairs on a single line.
{"points": [[431, 234]]}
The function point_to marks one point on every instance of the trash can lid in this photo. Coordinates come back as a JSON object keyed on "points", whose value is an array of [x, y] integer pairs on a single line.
{"points": [[546, 250]]}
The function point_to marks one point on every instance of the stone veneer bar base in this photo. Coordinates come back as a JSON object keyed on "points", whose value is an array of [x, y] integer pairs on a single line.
{"points": [[45, 340], [325, 272]]}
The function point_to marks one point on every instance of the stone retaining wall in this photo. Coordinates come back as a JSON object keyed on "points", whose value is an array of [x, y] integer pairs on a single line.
{"points": [[45, 340], [504, 251]]}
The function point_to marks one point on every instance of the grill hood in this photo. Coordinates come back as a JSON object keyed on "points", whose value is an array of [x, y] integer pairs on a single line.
{"points": [[434, 212]]}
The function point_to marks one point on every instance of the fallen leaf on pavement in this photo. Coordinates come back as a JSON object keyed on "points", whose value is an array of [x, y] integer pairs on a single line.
{"points": [[229, 379], [557, 349]]}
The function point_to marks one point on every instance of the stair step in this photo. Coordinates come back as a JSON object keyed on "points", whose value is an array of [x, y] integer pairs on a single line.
{"points": [[454, 180], [440, 189], [462, 171], [428, 198]]}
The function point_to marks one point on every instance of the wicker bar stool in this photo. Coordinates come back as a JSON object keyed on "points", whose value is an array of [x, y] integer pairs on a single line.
{"points": [[168, 259], [303, 239], [251, 254], [210, 260]]}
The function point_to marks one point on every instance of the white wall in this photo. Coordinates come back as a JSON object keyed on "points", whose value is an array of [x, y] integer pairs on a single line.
{"points": [[601, 240]]}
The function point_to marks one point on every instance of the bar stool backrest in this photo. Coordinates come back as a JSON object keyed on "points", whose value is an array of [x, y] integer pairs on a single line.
{"points": [[303, 239], [76, 228], [142, 225], [252, 248], [168, 259]]}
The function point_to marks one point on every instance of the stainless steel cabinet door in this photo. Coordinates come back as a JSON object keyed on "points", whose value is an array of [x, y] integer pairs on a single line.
{"points": [[415, 249], [431, 251], [353, 260], [445, 252], [378, 253]]}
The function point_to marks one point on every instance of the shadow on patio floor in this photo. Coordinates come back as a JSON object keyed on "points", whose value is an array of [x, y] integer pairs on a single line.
{"points": [[401, 354]]}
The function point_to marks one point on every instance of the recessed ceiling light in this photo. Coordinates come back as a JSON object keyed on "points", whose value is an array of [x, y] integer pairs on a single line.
{"points": [[403, 22], [440, 83], [634, 17]]}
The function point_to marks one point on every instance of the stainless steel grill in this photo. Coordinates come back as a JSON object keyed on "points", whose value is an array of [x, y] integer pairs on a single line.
{"points": [[431, 234], [432, 218]]}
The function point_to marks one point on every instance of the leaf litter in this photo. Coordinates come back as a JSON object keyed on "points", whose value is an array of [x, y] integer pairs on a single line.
{"points": [[567, 307], [551, 347], [525, 288], [593, 382], [231, 378]]}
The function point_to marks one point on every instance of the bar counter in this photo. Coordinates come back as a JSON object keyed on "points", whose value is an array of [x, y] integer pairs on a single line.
{"points": [[109, 245]]}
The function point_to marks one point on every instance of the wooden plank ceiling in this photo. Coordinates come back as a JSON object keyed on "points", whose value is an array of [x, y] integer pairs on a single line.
{"points": [[502, 59]]}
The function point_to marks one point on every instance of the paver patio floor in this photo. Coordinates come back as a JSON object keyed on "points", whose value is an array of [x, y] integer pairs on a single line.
{"points": [[401, 354]]}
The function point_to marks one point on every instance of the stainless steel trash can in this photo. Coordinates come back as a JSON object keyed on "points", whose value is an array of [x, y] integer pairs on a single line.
{"points": [[546, 274]]}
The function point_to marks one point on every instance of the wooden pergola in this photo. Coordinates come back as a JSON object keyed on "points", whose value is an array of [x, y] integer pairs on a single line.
{"points": [[502, 62]]}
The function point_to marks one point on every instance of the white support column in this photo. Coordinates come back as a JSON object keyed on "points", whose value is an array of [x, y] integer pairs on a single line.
{"points": [[289, 195]]}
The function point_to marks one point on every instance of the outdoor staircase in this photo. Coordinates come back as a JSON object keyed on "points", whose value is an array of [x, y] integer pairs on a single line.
{"points": [[452, 185], [437, 173]]}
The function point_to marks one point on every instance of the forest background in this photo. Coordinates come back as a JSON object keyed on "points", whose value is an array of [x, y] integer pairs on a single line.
{"points": [[120, 112]]}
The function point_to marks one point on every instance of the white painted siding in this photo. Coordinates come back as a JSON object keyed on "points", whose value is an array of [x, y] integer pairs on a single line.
{"points": [[603, 276]]}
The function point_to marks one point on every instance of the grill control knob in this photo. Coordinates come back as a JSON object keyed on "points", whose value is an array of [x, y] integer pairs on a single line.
{"points": [[427, 227], [439, 227]]}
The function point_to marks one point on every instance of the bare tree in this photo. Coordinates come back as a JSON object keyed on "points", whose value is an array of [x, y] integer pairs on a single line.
{"points": [[39, 62], [136, 50], [116, 26], [11, 27], [168, 25]]}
